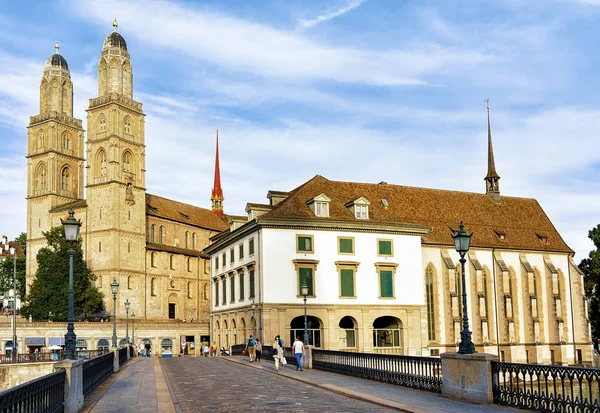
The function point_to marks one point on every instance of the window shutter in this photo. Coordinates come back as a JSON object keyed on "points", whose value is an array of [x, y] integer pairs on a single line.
{"points": [[242, 286], [251, 247], [385, 247], [251, 284], [385, 280], [305, 274], [347, 279], [346, 245]]}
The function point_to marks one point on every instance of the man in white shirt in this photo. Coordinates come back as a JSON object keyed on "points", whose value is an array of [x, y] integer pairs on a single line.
{"points": [[298, 351]]}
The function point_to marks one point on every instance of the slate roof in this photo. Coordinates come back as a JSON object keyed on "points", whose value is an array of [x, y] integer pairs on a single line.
{"points": [[185, 213], [522, 220], [115, 40]]}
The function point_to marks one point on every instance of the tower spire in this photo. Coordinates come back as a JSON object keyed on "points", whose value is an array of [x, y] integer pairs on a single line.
{"points": [[216, 197], [492, 178]]}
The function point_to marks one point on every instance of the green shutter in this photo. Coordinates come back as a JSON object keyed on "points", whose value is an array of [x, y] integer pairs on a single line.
{"points": [[385, 283], [385, 247], [346, 245], [224, 292], [216, 294], [304, 244], [306, 275], [251, 247], [242, 286], [241, 251], [251, 284], [347, 280]]}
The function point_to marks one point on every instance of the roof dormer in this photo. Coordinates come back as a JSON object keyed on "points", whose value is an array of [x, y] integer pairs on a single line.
{"points": [[319, 205], [359, 208]]}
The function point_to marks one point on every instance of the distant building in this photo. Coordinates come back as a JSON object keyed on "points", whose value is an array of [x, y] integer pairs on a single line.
{"points": [[7, 300]]}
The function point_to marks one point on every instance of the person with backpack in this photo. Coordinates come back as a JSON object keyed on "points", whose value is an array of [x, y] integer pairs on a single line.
{"points": [[257, 350], [250, 348], [277, 352]]}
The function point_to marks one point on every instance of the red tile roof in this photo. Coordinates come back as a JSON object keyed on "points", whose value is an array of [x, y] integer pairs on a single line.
{"points": [[185, 213]]}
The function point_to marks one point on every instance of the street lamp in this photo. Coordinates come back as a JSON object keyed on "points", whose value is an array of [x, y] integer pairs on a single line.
{"points": [[71, 228], [13, 252], [127, 304], [461, 242], [133, 328], [114, 288], [254, 319], [304, 292]]}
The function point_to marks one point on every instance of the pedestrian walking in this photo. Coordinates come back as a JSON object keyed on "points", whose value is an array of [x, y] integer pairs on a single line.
{"points": [[214, 348], [257, 350], [277, 352], [298, 352], [250, 348], [206, 350]]}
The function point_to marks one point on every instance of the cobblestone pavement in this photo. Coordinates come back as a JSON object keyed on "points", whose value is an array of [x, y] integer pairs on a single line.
{"points": [[214, 385]]}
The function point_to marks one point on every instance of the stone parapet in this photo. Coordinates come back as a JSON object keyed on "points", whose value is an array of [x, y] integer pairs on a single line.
{"points": [[73, 384], [468, 376]]}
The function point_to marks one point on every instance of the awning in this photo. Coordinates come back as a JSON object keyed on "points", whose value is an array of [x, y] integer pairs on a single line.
{"points": [[35, 341], [56, 341]]}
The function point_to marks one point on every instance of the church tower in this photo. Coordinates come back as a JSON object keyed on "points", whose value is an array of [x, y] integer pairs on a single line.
{"points": [[115, 178], [492, 179], [54, 155], [216, 198]]}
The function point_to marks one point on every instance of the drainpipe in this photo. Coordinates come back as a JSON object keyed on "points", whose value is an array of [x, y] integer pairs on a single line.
{"points": [[572, 314], [496, 302]]}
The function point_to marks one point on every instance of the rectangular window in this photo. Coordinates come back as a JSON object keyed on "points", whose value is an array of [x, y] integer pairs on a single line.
{"points": [[251, 246], [231, 255], [241, 252], [384, 247], [347, 283], [386, 284], [361, 211], [224, 292], [232, 287], [306, 275], [251, 284], [216, 293], [242, 286], [304, 243], [346, 245], [224, 260], [216, 263]]}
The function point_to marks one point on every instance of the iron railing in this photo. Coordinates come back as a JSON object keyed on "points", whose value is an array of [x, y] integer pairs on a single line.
{"points": [[122, 355], [90, 354], [423, 373], [29, 358], [546, 388], [95, 371], [44, 394]]}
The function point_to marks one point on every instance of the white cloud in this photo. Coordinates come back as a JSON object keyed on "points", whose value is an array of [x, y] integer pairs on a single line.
{"points": [[329, 15]]}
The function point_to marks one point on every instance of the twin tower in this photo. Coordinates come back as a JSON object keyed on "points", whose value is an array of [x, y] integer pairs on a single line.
{"points": [[113, 211]]}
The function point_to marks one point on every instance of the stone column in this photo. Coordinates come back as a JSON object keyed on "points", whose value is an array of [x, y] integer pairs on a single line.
{"points": [[468, 376], [73, 384], [308, 357], [115, 360]]}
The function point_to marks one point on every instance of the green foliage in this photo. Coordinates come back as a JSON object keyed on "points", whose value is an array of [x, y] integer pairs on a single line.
{"points": [[7, 274], [22, 239], [591, 271], [50, 288]]}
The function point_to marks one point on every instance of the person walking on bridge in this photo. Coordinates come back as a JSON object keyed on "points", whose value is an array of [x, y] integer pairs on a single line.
{"points": [[298, 352]]}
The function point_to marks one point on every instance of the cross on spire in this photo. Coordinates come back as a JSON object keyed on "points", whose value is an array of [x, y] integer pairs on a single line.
{"points": [[115, 24], [56, 47]]}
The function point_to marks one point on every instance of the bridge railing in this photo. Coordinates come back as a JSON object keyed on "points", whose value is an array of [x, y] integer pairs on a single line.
{"points": [[44, 394], [424, 373], [95, 371], [123, 355], [546, 388]]}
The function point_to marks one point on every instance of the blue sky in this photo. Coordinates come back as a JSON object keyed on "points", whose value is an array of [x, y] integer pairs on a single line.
{"points": [[353, 90]]}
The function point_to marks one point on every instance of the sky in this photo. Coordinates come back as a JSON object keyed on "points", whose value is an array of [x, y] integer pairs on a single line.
{"points": [[354, 90]]}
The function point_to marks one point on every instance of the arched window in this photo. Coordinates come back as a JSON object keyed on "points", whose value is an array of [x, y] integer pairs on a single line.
{"points": [[187, 235], [297, 329], [160, 235], [41, 139], [171, 263], [205, 292], [152, 228], [127, 125], [348, 326], [189, 264], [189, 289], [194, 241], [103, 344], [153, 287], [101, 163], [387, 332], [102, 123], [65, 179], [41, 178], [127, 161], [129, 283], [65, 99], [153, 259], [430, 302], [66, 141]]}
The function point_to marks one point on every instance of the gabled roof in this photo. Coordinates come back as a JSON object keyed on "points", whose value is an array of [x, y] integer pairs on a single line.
{"points": [[185, 213], [520, 218], [12, 244], [80, 203]]}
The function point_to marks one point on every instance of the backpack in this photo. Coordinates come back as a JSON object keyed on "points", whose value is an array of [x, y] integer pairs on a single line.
{"points": [[281, 342]]}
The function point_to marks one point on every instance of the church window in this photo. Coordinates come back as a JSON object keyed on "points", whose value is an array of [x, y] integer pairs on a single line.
{"points": [[153, 287], [129, 247], [66, 141], [187, 235], [101, 159], [152, 229], [99, 246], [65, 100], [189, 264], [430, 303], [153, 259], [189, 290], [171, 262], [102, 123], [127, 125], [129, 283], [194, 241], [160, 235], [41, 178], [205, 292], [127, 162], [41, 139], [65, 176]]}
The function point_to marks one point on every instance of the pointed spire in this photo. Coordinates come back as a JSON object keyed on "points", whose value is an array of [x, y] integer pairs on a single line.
{"points": [[115, 24], [492, 177], [56, 47], [217, 192]]}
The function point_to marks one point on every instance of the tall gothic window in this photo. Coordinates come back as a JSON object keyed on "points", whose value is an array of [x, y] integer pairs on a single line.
{"points": [[430, 303], [102, 122], [152, 229], [187, 235], [41, 178], [41, 139], [194, 241], [66, 141], [127, 125], [160, 235], [64, 182], [127, 163], [103, 164]]}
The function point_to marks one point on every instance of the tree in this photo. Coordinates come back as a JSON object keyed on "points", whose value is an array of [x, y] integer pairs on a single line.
{"points": [[591, 272], [22, 239], [50, 288]]}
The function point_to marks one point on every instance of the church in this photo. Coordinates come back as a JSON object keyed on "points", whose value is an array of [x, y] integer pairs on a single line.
{"points": [[150, 244]]}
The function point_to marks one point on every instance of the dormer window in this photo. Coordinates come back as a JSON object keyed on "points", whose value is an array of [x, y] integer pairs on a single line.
{"points": [[543, 238], [359, 208], [501, 234], [319, 205]]}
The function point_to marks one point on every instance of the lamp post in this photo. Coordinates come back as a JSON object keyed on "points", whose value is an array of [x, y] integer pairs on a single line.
{"points": [[461, 242], [127, 304], [254, 319], [71, 228], [132, 328], [304, 292], [13, 252], [114, 288]]}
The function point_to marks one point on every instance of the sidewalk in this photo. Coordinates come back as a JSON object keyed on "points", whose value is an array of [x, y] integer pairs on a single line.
{"points": [[388, 395], [140, 386]]}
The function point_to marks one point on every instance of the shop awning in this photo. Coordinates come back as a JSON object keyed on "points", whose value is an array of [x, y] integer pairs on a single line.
{"points": [[56, 341], [35, 341]]}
